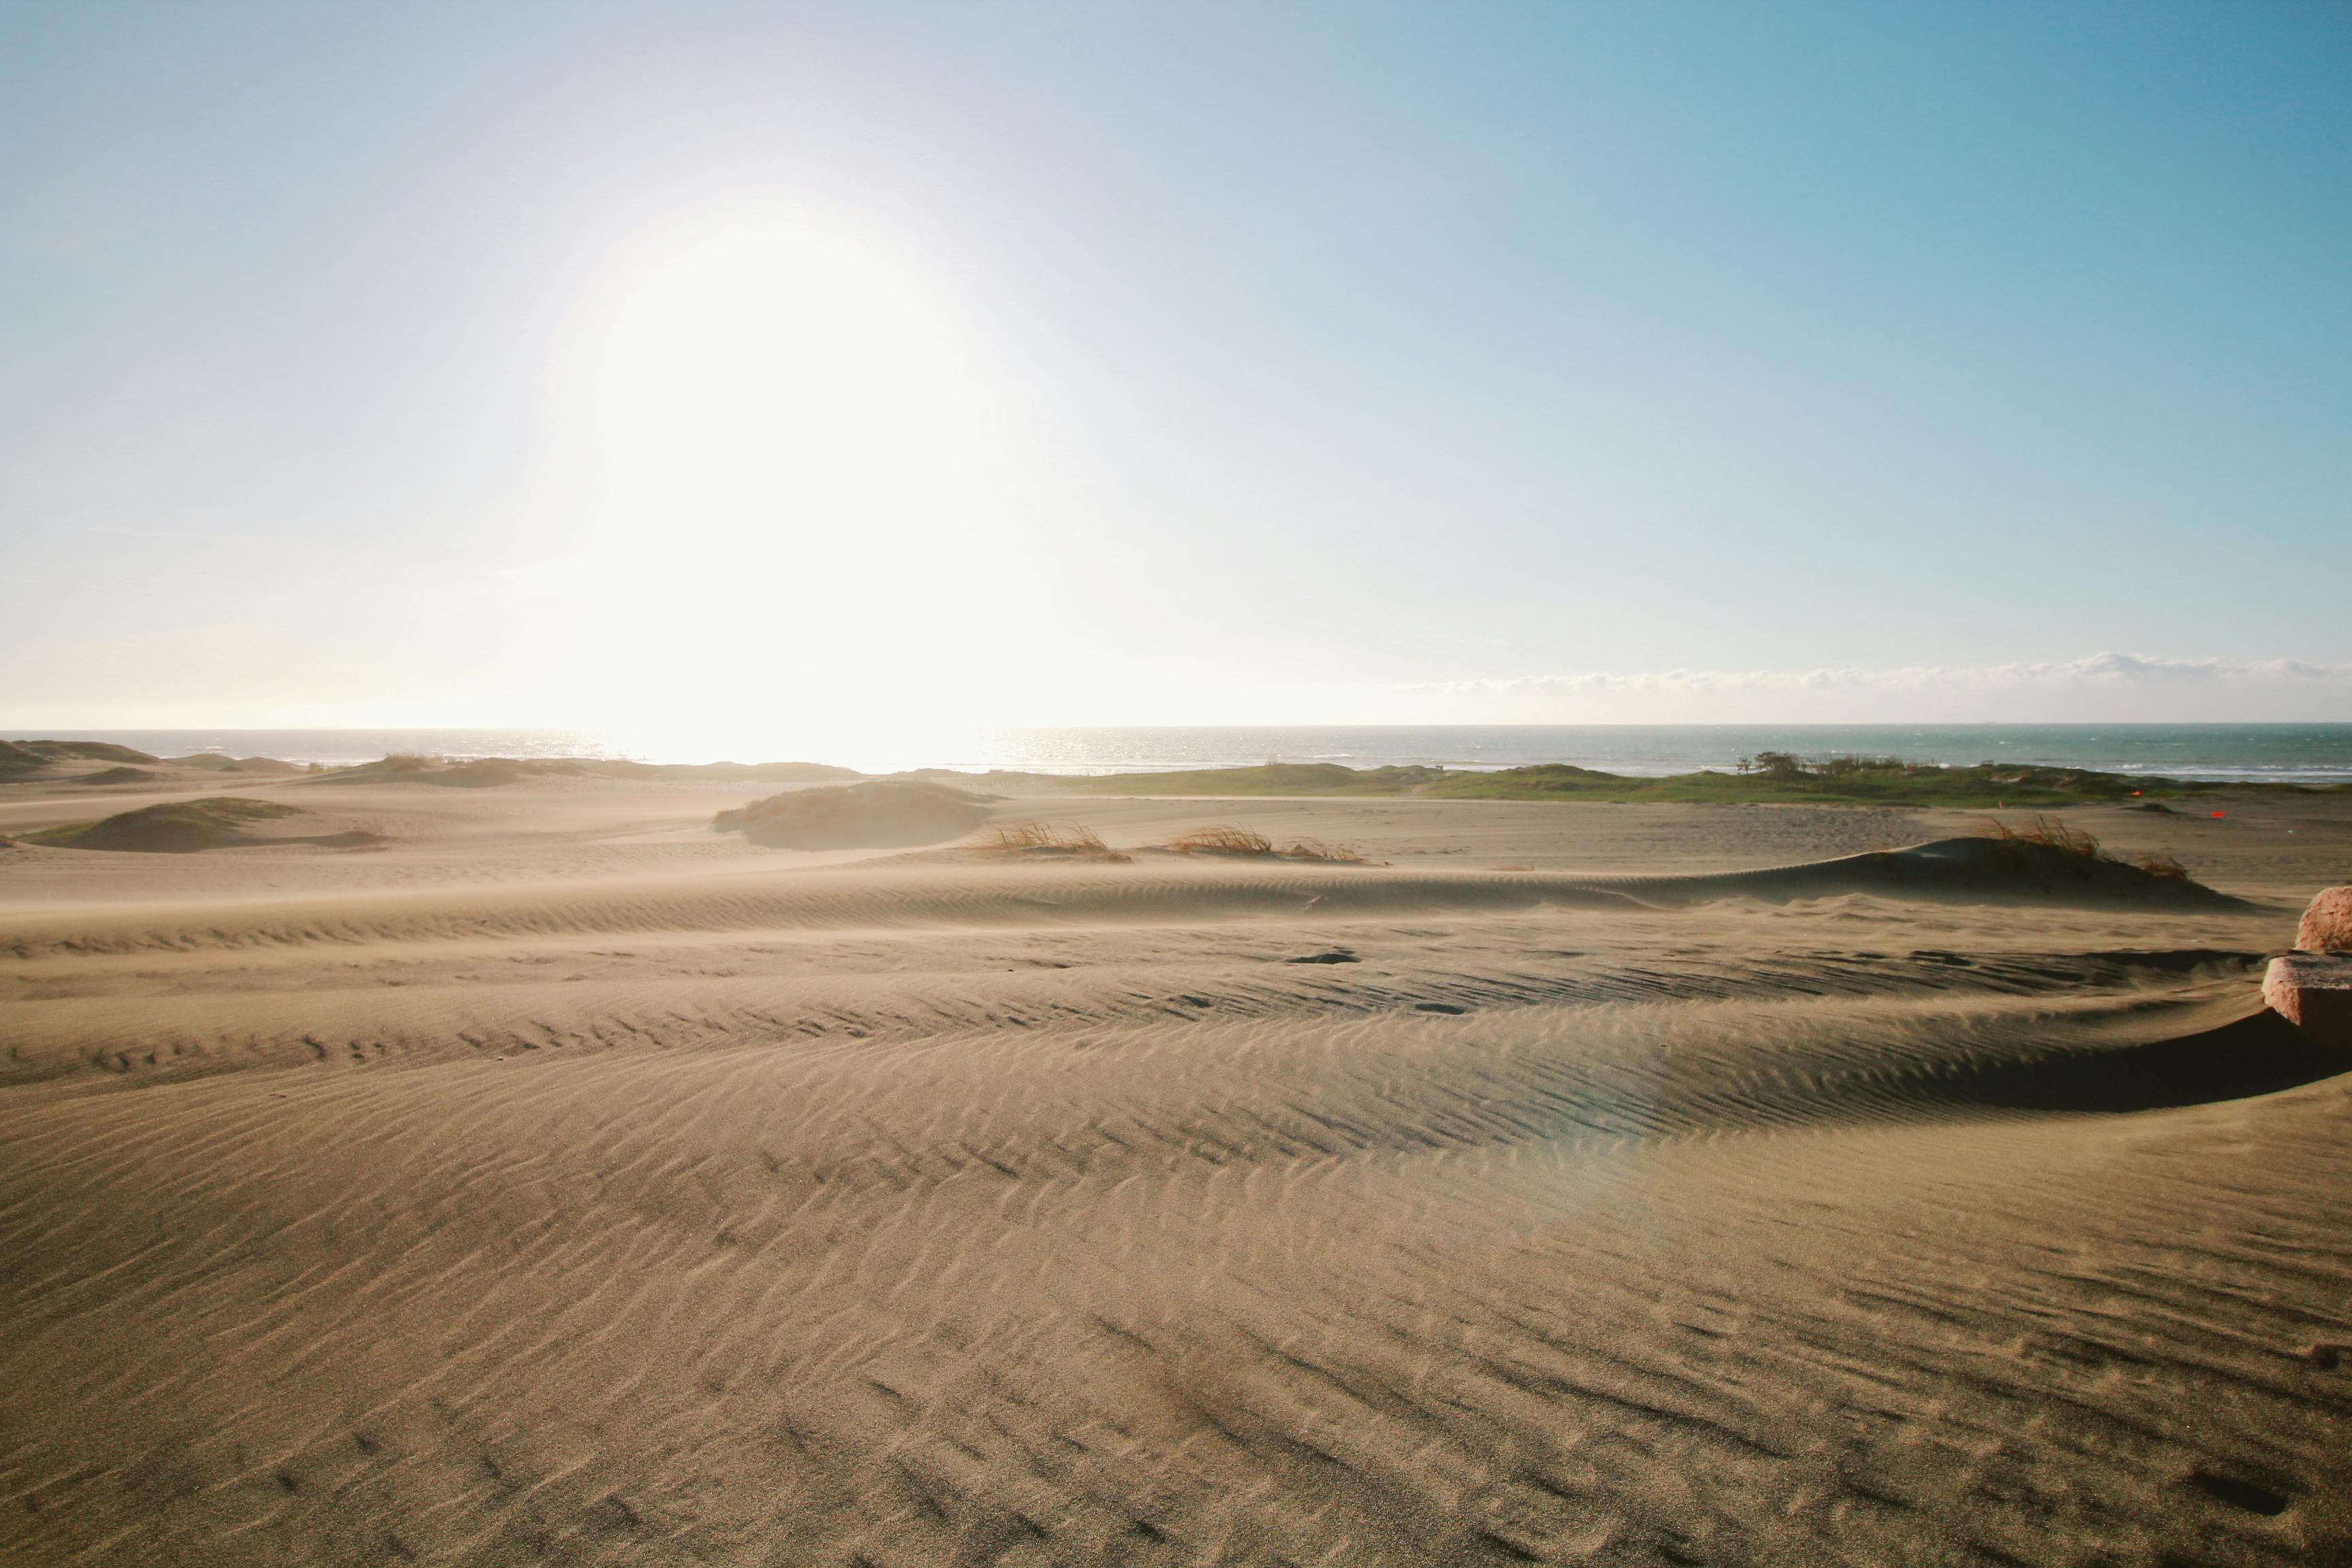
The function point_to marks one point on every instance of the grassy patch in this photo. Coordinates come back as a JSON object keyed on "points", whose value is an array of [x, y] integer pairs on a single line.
{"points": [[174, 828], [2048, 833]]}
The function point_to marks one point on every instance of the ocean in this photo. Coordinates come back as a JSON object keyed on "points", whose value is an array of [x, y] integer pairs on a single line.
{"points": [[2284, 753]]}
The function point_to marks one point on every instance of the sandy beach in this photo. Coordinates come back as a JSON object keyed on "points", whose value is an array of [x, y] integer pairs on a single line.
{"points": [[551, 1179]]}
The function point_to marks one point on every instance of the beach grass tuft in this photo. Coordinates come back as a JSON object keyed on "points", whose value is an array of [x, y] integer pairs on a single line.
{"points": [[1033, 838], [2048, 833], [1223, 840], [1249, 843], [1317, 850]]}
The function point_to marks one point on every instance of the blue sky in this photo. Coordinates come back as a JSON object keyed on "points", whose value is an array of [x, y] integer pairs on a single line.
{"points": [[1174, 363]]}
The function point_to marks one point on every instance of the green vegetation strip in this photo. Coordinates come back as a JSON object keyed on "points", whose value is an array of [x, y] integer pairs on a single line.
{"points": [[1770, 777]]}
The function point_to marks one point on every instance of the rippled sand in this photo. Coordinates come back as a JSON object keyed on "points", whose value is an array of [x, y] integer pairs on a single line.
{"points": [[563, 1183]]}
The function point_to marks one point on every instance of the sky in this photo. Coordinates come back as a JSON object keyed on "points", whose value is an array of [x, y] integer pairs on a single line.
{"points": [[1132, 363]]}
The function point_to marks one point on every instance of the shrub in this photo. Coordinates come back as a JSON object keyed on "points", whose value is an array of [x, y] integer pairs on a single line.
{"points": [[2050, 834], [1223, 841], [1315, 849], [1045, 839]]}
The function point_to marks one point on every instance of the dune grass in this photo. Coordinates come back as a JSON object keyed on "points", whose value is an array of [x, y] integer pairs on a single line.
{"points": [[173, 828], [1249, 843], [1223, 841], [1317, 850], [1033, 837], [2048, 833], [1042, 840]]}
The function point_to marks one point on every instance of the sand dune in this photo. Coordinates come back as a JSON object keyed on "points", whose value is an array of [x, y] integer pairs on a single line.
{"points": [[172, 827], [879, 813], [564, 1183], [1974, 868]]}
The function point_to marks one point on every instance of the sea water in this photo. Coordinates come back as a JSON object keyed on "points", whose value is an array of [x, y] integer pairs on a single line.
{"points": [[2310, 754]]}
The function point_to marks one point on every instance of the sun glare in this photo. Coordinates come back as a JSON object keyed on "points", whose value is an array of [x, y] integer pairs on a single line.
{"points": [[779, 383], [789, 445]]}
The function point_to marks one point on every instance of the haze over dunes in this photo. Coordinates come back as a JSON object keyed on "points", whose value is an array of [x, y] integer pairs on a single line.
{"points": [[562, 1180]]}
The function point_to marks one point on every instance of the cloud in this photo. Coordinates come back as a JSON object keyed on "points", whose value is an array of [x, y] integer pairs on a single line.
{"points": [[2101, 688]]}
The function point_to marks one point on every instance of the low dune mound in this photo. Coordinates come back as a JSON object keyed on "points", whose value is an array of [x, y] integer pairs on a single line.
{"points": [[765, 773], [1270, 778], [174, 828], [886, 814], [219, 762], [30, 756], [121, 776], [463, 773], [1981, 869], [490, 772], [393, 768]]}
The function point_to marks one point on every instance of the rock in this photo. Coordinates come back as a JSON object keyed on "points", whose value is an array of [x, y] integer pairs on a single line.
{"points": [[2327, 925], [2313, 990]]}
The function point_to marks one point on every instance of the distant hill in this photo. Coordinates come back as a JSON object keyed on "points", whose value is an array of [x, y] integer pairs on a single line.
{"points": [[30, 756], [174, 828], [481, 772], [1770, 777]]}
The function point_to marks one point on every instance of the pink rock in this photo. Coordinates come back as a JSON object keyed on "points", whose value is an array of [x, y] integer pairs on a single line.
{"points": [[2327, 925], [2314, 990]]}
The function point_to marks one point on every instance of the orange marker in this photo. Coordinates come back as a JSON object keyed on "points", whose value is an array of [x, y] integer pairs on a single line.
{"points": [[2217, 814]]}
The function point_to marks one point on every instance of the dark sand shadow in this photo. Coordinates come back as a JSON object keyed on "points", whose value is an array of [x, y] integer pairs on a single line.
{"points": [[2258, 1054]]}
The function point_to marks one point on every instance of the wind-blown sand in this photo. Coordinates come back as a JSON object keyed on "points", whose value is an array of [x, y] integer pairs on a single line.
{"points": [[561, 1181]]}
